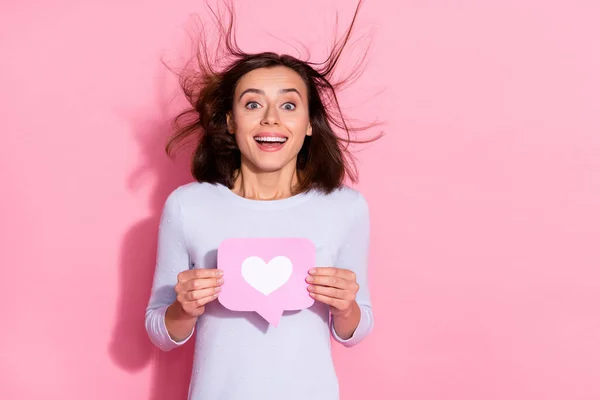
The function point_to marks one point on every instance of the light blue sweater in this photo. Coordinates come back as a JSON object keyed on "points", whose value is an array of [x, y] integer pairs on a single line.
{"points": [[238, 355]]}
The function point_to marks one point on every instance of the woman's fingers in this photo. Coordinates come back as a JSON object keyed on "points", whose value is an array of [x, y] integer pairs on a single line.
{"points": [[330, 281], [199, 294], [196, 288], [201, 283], [332, 292], [333, 277], [330, 301]]}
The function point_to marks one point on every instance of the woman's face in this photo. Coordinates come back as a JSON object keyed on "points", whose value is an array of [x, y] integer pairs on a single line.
{"points": [[270, 118]]}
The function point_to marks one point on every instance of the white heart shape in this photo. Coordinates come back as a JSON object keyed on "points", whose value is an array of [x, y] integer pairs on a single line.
{"points": [[267, 277]]}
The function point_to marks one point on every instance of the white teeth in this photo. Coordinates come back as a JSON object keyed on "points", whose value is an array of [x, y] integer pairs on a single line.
{"points": [[271, 139]]}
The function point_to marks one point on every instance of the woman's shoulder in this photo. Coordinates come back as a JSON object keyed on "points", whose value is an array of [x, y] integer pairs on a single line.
{"points": [[193, 193], [346, 197]]}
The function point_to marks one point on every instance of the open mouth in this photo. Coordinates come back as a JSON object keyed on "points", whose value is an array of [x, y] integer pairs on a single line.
{"points": [[270, 142]]}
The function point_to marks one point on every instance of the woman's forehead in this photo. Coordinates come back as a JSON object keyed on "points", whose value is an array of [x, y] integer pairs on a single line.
{"points": [[273, 80]]}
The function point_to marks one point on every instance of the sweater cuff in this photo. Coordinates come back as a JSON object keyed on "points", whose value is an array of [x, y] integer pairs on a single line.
{"points": [[167, 341], [365, 325]]}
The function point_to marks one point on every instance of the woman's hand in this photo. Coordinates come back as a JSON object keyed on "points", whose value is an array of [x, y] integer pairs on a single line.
{"points": [[197, 287], [335, 287]]}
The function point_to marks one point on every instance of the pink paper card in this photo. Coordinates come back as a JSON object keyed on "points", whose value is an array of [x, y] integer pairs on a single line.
{"points": [[266, 275]]}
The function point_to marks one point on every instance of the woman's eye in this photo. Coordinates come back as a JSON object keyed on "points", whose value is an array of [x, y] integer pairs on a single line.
{"points": [[289, 106], [252, 105]]}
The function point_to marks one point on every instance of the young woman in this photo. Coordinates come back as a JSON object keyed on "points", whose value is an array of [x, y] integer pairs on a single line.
{"points": [[268, 164]]}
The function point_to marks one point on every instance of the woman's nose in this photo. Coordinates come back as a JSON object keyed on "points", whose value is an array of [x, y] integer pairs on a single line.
{"points": [[270, 117]]}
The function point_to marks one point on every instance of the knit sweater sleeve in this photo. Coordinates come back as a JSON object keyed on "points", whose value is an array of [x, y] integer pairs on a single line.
{"points": [[354, 255], [171, 259]]}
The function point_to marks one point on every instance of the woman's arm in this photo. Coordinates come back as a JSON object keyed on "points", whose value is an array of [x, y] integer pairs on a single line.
{"points": [[171, 259]]}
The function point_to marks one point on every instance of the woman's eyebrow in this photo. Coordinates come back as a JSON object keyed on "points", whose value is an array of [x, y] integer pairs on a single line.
{"points": [[262, 92]]}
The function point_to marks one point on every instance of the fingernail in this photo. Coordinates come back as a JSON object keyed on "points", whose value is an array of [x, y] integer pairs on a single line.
{"points": [[219, 272], [311, 287], [220, 280], [312, 271], [309, 279], [218, 289]]}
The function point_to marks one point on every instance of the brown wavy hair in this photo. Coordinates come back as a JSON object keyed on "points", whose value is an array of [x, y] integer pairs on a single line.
{"points": [[324, 161]]}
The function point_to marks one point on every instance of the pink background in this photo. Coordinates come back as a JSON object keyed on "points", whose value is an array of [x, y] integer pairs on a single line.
{"points": [[485, 194]]}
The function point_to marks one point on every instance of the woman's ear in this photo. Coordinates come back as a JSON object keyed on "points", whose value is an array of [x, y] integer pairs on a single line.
{"points": [[309, 130], [230, 127]]}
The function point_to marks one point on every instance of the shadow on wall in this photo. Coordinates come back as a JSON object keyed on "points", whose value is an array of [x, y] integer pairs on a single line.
{"points": [[130, 348]]}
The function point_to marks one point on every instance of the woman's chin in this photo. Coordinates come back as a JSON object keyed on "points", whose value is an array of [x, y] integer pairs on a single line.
{"points": [[268, 166], [266, 169]]}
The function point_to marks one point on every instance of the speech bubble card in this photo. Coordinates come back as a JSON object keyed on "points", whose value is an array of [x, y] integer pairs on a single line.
{"points": [[266, 275]]}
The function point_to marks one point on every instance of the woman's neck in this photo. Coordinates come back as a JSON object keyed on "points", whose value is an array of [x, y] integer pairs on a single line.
{"points": [[258, 185]]}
